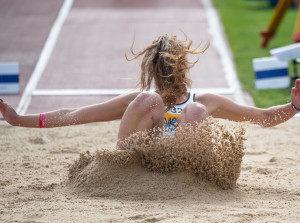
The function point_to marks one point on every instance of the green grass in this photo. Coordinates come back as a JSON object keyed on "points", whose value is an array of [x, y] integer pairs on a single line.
{"points": [[243, 21]]}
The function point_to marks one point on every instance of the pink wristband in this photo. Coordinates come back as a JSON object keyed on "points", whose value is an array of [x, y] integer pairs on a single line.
{"points": [[42, 120]]}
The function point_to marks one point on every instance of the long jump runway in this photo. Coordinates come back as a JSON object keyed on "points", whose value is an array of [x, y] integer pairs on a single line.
{"points": [[71, 53]]}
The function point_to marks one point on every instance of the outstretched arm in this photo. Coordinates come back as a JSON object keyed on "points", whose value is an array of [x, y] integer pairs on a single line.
{"points": [[221, 107], [107, 111]]}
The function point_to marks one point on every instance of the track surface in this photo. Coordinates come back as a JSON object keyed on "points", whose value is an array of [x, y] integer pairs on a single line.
{"points": [[89, 52]]}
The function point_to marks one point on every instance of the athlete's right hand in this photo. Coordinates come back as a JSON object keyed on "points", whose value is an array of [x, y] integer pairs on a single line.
{"points": [[8, 113]]}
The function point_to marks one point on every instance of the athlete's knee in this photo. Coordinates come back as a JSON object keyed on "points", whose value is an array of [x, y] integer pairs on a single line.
{"points": [[195, 111], [147, 101]]}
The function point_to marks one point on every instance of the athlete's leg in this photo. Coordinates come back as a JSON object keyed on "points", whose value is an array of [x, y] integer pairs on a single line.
{"points": [[193, 113], [144, 113]]}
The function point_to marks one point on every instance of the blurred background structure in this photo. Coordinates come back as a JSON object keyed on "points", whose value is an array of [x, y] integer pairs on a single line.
{"points": [[278, 15], [71, 53], [243, 20]]}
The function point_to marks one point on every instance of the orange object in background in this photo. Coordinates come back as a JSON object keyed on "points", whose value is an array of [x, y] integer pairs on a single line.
{"points": [[280, 10], [297, 26]]}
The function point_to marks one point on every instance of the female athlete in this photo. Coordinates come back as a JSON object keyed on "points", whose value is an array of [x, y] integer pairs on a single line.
{"points": [[165, 65]]}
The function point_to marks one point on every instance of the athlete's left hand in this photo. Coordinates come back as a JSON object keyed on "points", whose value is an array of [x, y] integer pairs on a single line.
{"points": [[8, 113], [295, 94]]}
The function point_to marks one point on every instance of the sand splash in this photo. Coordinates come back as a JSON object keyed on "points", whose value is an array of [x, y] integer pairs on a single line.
{"points": [[149, 164]]}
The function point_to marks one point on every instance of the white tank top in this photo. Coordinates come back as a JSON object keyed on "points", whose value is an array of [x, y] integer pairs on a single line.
{"points": [[172, 115]]}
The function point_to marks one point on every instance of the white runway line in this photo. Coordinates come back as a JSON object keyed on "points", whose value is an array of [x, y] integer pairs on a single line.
{"points": [[216, 31], [44, 57], [115, 92]]}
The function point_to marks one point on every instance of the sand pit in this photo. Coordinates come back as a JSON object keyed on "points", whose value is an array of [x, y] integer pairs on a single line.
{"points": [[152, 165], [149, 185]]}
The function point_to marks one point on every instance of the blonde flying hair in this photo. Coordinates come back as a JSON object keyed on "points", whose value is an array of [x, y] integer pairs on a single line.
{"points": [[165, 61]]}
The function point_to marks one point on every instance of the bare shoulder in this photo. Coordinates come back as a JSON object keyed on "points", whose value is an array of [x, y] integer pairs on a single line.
{"points": [[209, 100], [127, 97], [205, 98], [214, 102]]}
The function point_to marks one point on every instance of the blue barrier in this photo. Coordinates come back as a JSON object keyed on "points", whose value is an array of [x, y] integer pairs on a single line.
{"points": [[9, 78]]}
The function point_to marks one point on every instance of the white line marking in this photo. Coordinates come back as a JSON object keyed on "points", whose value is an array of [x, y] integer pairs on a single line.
{"points": [[216, 31], [114, 92], [44, 57]]}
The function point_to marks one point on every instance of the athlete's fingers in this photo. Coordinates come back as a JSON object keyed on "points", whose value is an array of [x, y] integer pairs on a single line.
{"points": [[2, 104], [295, 96], [297, 87], [2, 107], [294, 91], [297, 83]]}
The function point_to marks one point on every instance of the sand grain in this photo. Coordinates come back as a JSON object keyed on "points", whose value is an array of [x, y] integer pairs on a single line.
{"points": [[36, 186]]}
